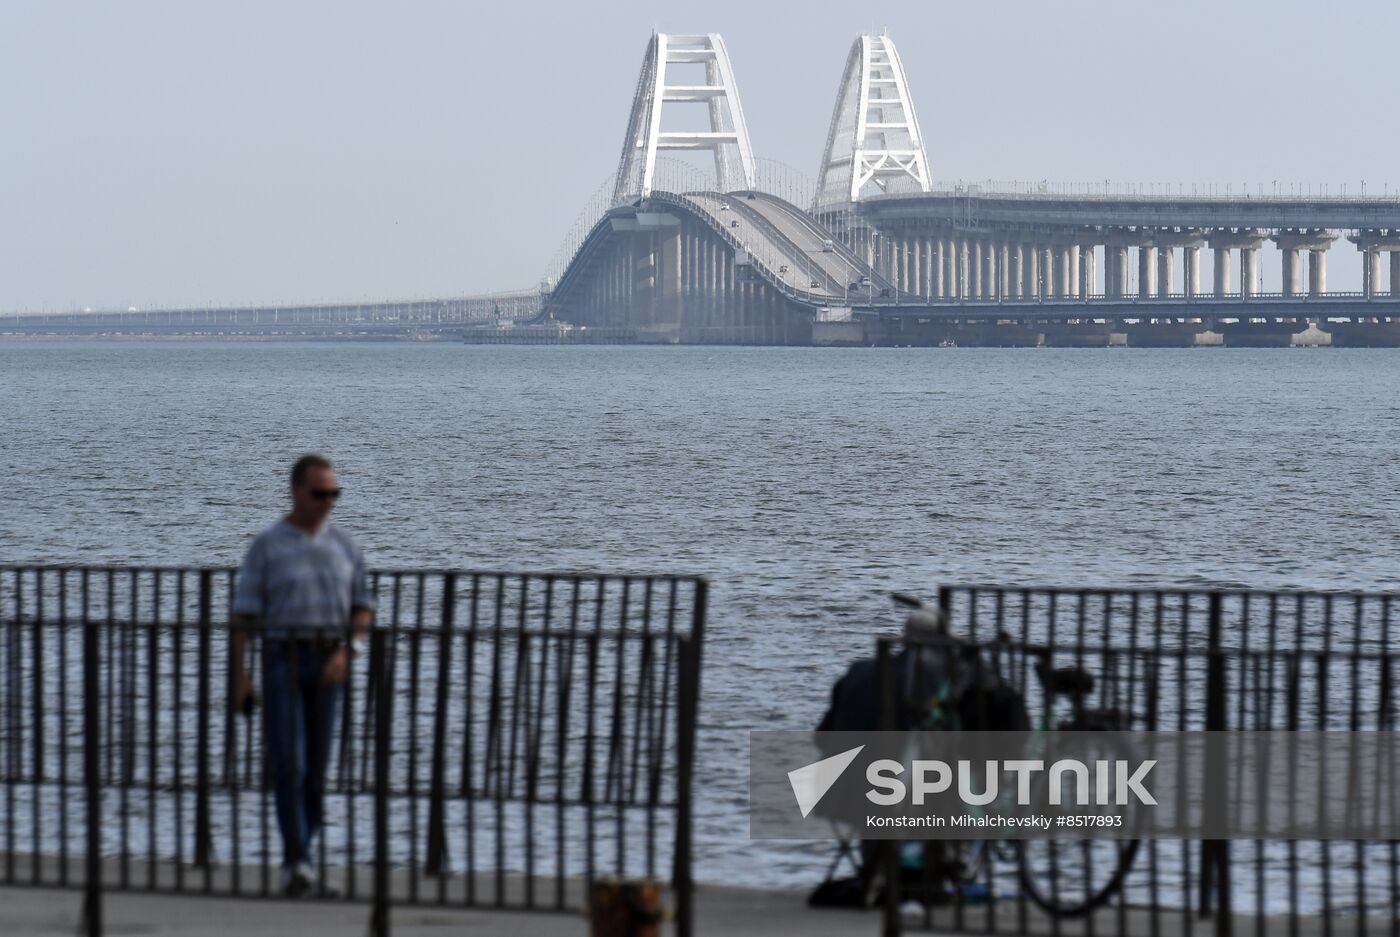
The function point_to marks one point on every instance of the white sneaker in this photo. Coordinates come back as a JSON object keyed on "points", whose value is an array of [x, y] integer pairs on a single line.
{"points": [[295, 880]]}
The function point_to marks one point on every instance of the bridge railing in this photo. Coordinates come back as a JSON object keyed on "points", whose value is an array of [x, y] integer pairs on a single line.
{"points": [[508, 740], [1166, 191]]}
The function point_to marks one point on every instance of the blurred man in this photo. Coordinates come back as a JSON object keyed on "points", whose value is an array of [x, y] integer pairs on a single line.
{"points": [[303, 586]]}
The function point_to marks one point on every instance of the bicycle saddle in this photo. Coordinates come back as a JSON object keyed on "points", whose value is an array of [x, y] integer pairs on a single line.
{"points": [[1072, 681]]}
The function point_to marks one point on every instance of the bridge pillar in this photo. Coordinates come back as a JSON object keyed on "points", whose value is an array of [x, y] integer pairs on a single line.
{"points": [[1147, 271], [1317, 272], [994, 270], [1166, 260], [1088, 276], [1018, 272], [1222, 270], [947, 254], [975, 286], [1032, 272], [1120, 271], [935, 269], [672, 285], [1004, 270], [1371, 243], [1191, 270], [1047, 272], [1064, 285], [1395, 273], [906, 266], [989, 270], [1292, 274], [1249, 271], [1075, 286], [1247, 242], [964, 278]]}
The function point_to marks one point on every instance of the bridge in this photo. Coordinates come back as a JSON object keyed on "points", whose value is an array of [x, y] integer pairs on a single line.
{"points": [[874, 251], [879, 253]]}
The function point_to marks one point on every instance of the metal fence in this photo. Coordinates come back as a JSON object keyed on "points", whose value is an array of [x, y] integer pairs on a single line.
{"points": [[508, 739], [1182, 661]]}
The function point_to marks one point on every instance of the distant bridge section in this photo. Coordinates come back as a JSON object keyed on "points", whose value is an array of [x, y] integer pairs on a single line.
{"points": [[968, 243], [386, 319]]}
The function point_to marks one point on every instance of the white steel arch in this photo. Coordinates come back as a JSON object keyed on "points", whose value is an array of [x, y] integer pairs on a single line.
{"points": [[874, 144], [728, 136]]}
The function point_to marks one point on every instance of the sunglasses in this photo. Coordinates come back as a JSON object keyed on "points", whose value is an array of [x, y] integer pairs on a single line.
{"points": [[325, 494]]}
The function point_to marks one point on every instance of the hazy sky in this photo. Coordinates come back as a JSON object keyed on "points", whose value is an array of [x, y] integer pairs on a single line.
{"points": [[171, 153]]}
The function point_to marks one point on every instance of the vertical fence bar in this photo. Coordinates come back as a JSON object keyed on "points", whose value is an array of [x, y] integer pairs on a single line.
{"points": [[437, 837], [92, 766], [681, 876], [687, 717], [203, 836], [378, 663], [1215, 854]]}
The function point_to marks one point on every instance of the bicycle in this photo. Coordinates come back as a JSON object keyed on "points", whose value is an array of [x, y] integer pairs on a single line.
{"points": [[1094, 869]]}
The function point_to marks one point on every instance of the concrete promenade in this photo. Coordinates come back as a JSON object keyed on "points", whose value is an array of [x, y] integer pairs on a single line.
{"points": [[726, 911], [733, 912]]}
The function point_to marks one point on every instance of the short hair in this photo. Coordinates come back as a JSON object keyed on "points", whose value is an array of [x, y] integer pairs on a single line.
{"points": [[305, 464]]}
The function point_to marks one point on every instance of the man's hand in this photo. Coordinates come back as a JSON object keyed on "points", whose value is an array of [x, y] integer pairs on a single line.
{"points": [[243, 694], [337, 667]]}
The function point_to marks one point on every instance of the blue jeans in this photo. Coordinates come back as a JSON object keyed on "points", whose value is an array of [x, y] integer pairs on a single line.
{"points": [[299, 717]]}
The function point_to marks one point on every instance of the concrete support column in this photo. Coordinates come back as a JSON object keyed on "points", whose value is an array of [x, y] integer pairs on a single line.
{"points": [[1088, 276], [1004, 270], [1371, 276], [926, 285], [964, 275], [1191, 270], [1395, 273], [1222, 270], [1166, 263], [912, 265], [1147, 271], [989, 270], [1063, 286], [1018, 272], [975, 256], [1030, 269], [1120, 272], [949, 252], [1292, 272], [1076, 288], [1047, 272], [1317, 272], [1249, 271]]}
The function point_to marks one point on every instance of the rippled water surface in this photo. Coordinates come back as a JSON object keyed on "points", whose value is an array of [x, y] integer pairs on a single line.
{"points": [[804, 482]]}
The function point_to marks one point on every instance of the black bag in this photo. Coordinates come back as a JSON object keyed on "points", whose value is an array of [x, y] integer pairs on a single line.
{"points": [[990, 705]]}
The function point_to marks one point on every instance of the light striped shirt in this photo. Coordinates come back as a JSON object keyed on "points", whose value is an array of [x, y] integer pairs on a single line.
{"points": [[292, 579]]}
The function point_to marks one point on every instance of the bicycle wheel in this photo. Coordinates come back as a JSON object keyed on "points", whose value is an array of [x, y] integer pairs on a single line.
{"points": [[1070, 878]]}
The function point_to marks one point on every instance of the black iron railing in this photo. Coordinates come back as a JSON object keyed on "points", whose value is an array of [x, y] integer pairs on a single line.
{"points": [[1181, 661], [507, 739]]}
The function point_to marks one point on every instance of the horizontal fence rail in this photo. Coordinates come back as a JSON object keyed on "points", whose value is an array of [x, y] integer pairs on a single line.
{"points": [[507, 739], [1177, 661]]}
